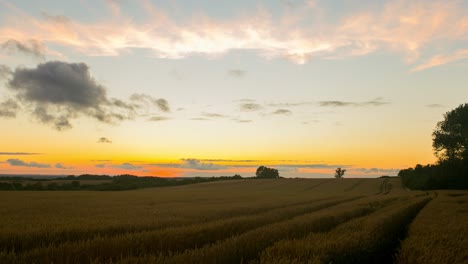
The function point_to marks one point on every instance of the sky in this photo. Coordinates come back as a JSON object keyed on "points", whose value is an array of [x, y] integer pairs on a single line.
{"points": [[204, 88]]}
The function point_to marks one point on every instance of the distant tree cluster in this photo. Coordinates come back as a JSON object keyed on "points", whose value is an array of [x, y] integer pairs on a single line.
{"points": [[450, 144], [267, 173], [112, 183]]}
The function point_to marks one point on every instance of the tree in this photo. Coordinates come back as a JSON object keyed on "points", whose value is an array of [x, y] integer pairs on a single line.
{"points": [[266, 173], [450, 137], [339, 173]]}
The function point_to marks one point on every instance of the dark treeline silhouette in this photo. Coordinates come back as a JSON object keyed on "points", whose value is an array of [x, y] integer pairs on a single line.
{"points": [[266, 173], [109, 183], [450, 144]]}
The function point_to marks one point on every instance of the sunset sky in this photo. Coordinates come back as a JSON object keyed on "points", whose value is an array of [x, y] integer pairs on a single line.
{"points": [[209, 88]]}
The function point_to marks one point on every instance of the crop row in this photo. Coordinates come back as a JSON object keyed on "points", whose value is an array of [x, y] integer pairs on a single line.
{"points": [[244, 247], [105, 247], [370, 239], [439, 234], [19, 240]]}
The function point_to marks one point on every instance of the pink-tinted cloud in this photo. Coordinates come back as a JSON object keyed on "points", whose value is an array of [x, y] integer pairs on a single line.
{"points": [[442, 59], [405, 27]]}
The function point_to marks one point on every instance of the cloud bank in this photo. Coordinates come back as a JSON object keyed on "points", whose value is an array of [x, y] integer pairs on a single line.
{"points": [[421, 31], [21, 163]]}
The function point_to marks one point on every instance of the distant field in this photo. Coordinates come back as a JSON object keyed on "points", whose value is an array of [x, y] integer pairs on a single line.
{"points": [[242, 221]]}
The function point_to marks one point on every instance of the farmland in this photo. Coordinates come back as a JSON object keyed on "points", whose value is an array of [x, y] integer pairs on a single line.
{"points": [[241, 221]]}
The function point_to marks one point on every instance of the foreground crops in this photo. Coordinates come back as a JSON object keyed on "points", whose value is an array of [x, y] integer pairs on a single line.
{"points": [[267, 221]]}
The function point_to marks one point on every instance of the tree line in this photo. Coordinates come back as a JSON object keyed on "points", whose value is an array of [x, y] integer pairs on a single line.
{"points": [[450, 144]]}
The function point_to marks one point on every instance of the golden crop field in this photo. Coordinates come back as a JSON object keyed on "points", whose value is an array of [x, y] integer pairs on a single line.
{"points": [[241, 221]]}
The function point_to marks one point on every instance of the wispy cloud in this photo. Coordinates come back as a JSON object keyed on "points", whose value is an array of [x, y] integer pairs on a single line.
{"points": [[61, 166], [402, 26], [442, 59], [374, 102], [31, 47], [21, 163], [434, 105], [194, 164], [250, 107], [127, 166], [158, 118], [214, 115], [282, 112], [19, 153], [9, 108]]}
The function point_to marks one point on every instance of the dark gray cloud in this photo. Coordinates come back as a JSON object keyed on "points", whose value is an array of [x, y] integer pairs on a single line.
{"points": [[100, 166], [9, 108], [375, 102], [161, 103], [61, 166], [250, 107], [282, 112], [236, 73], [158, 118], [56, 92], [66, 87], [127, 166], [104, 140], [434, 105], [31, 47], [213, 115], [5, 71], [32, 164], [19, 153]]}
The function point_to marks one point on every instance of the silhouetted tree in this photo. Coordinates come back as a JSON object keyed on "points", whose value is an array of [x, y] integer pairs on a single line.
{"points": [[339, 173], [266, 173], [450, 137]]}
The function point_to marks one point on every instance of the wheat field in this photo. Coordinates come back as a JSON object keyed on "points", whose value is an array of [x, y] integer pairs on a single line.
{"points": [[242, 221]]}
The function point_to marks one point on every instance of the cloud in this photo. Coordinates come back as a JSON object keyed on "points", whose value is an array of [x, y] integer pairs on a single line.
{"points": [[200, 119], [213, 115], [442, 59], [5, 71], [104, 140], [32, 164], [242, 120], [374, 102], [127, 166], [19, 153], [194, 164], [100, 166], [31, 47], [198, 165], [68, 88], [161, 103], [61, 166], [378, 171], [237, 73], [158, 118], [250, 107], [410, 28], [9, 108], [434, 105], [282, 112], [56, 92]]}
